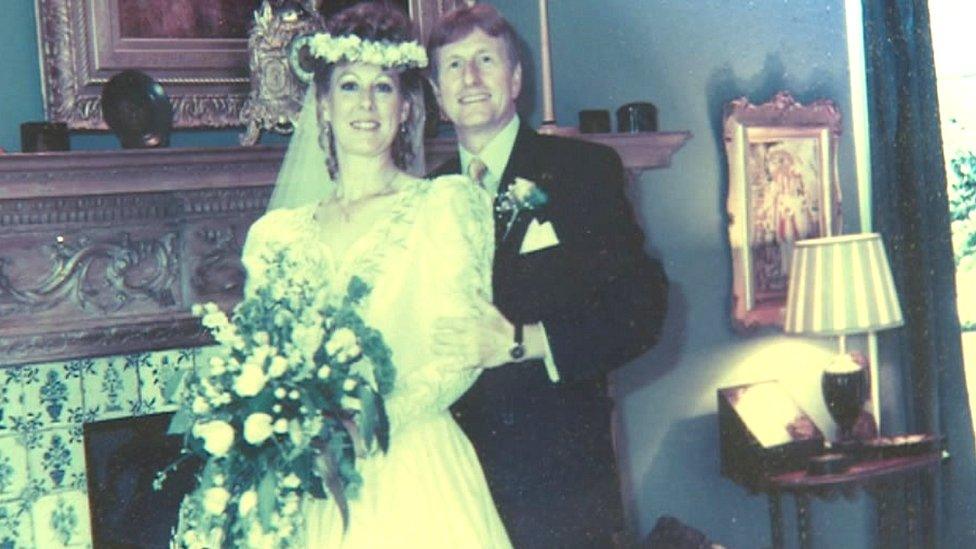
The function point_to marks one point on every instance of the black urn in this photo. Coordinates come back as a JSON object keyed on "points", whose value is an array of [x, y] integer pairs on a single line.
{"points": [[137, 109]]}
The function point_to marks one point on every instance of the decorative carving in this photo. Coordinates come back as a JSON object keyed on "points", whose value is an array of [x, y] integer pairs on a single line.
{"points": [[276, 93], [182, 331], [226, 201], [98, 276], [219, 270], [86, 209]]}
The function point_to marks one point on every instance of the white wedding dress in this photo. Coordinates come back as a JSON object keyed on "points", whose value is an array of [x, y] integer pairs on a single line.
{"points": [[430, 259]]}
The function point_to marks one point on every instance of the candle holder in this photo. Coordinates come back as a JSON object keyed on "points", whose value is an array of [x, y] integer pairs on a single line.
{"points": [[44, 136]]}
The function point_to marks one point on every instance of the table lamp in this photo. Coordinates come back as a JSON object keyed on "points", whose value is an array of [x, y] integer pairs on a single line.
{"points": [[842, 285]]}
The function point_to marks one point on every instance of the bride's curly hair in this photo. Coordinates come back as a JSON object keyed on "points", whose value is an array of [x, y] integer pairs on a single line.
{"points": [[378, 22]]}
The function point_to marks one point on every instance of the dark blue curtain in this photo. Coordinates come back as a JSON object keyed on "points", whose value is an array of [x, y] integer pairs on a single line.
{"points": [[910, 210]]}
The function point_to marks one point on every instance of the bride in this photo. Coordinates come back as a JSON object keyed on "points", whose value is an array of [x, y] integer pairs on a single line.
{"points": [[425, 248]]}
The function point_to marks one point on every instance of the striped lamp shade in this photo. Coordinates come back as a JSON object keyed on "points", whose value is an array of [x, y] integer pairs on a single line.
{"points": [[841, 285]]}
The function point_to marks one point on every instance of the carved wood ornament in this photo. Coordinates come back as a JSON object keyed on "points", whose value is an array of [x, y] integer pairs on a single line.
{"points": [[104, 253]]}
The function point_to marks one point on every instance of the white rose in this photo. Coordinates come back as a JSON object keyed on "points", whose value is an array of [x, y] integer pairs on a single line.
{"points": [[250, 381], [341, 340], [324, 372], [291, 506], [217, 365], [351, 403], [257, 538], [261, 353], [278, 366], [217, 436], [522, 188], [295, 433], [222, 398], [291, 481], [281, 426], [349, 353], [257, 428], [200, 405], [308, 338], [215, 500], [249, 500]]}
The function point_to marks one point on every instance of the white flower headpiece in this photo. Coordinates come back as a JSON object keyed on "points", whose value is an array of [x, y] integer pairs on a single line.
{"points": [[353, 49]]}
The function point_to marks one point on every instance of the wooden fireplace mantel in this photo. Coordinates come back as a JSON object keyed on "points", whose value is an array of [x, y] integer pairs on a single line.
{"points": [[103, 253]]}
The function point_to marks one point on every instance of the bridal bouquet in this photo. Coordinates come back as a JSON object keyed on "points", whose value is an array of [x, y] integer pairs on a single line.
{"points": [[289, 402]]}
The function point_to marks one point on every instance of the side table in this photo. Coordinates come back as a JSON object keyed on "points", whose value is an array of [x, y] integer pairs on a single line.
{"points": [[873, 475]]}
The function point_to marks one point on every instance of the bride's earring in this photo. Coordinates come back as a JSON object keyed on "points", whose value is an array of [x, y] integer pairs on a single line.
{"points": [[327, 142], [403, 151]]}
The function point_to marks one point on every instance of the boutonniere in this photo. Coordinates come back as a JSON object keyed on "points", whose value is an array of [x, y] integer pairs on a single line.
{"points": [[521, 195]]}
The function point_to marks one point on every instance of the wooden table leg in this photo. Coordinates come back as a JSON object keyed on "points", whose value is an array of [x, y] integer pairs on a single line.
{"points": [[803, 519], [775, 519]]}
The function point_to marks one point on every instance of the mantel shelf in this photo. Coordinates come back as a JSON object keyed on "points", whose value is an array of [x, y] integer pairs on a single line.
{"points": [[149, 170], [638, 151]]}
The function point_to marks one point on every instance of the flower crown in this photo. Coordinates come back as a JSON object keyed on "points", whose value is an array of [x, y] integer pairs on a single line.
{"points": [[353, 49]]}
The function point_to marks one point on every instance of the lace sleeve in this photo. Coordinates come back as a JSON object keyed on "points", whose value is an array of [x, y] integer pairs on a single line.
{"points": [[457, 244], [271, 232], [254, 253]]}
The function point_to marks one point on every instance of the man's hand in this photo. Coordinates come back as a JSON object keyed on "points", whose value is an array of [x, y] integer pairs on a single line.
{"points": [[481, 341]]}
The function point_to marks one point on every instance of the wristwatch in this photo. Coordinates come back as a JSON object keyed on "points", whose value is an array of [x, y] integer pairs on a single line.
{"points": [[517, 350]]}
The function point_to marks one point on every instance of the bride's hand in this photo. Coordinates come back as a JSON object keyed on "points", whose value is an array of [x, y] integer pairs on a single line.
{"points": [[481, 341]]}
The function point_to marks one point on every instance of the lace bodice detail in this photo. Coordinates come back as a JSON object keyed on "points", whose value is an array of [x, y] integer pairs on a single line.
{"points": [[430, 258]]}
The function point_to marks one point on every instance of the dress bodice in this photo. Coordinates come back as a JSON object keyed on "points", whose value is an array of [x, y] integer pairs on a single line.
{"points": [[430, 259]]}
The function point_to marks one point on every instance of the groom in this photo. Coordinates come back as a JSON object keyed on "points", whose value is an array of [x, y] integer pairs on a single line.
{"points": [[575, 293]]}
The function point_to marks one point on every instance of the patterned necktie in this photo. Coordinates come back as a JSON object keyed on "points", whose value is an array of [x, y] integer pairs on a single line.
{"points": [[477, 171]]}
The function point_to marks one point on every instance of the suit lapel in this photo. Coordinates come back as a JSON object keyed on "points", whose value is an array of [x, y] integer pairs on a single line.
{"points": [[522, 162]]}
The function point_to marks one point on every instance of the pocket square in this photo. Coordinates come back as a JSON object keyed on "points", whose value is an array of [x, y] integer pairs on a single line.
{"points": [[538, 236]]}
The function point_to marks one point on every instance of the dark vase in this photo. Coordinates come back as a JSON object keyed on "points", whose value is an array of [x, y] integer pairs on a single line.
{"points": [[137, 109], [844, 393], [637, 117]]}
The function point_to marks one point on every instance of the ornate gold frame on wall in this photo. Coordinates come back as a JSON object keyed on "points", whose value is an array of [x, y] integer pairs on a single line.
{"points": [[806, 137], [81, 47]]}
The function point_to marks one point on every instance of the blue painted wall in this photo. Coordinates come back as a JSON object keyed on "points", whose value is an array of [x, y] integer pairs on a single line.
{"points": [[689, 58]]}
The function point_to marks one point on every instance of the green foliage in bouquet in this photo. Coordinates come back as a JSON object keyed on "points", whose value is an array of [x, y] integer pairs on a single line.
{"points": [[291, 400]]}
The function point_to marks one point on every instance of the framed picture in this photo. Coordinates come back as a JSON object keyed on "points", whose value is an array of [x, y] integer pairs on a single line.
{"points": [[783, 187], [197, 50]]}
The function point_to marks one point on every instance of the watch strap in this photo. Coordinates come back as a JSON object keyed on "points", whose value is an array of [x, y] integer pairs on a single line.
{"points": [[517, 351]]}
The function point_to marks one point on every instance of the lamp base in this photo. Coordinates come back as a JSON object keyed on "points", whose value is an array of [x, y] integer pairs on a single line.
{"points": [[846, 388]]}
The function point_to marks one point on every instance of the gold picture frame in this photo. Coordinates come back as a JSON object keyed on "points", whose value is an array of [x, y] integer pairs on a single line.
{"points": [[783, 187], [83, 43]]}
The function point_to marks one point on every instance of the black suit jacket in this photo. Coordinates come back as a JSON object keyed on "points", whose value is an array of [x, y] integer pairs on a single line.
{"points": [[546, 447]]}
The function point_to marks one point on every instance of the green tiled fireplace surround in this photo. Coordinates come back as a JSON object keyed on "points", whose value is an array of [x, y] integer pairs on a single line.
{"points": [[43, 486]]}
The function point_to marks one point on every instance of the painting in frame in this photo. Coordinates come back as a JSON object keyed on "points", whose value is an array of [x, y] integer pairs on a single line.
{"points": [[197, 50], [783, 187]]}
